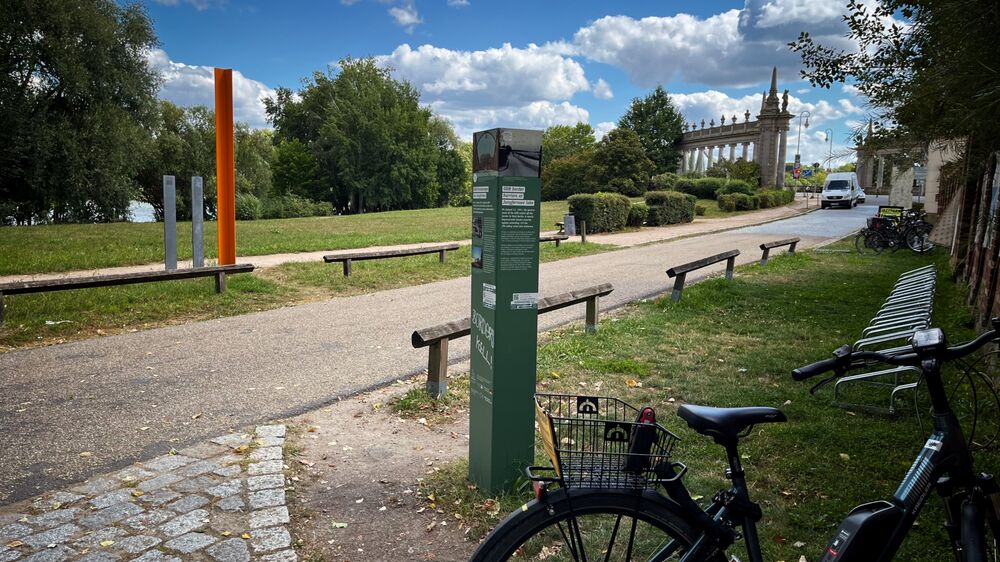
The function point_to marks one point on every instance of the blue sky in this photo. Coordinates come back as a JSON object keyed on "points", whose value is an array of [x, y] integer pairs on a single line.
{"points": [[517, 64]]}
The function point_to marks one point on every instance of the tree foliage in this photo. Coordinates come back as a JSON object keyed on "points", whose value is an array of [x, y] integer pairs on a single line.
{"points": [[659, 126], [622, 158], [376, 147], [76, 97], [931, 75], [560, 141]]}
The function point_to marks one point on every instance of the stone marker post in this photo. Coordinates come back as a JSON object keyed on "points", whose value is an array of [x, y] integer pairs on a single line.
{"points": [[169, 222], [506, 194], [197, 222]]}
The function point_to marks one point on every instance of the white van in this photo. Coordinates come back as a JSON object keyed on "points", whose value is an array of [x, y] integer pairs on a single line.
{"points": [[840, 188]]}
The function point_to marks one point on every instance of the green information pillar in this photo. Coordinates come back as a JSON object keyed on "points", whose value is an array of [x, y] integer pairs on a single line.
{"points": [[506, 197]]}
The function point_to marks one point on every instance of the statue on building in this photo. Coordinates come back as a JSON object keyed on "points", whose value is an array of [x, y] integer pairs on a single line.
{"points": [[784, 101]]}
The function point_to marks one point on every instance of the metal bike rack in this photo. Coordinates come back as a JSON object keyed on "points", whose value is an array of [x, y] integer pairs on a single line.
{"points": [[907, 309]]}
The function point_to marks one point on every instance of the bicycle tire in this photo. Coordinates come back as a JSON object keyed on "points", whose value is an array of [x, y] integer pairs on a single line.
{"points": [[917, 238], [543, 529], [868, 242]]}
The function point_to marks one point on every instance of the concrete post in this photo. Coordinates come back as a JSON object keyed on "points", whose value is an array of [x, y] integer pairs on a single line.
{"points": [[700, 163], [197, 222], [746, 151], [732, 152], [169, 223], [711, 157]]}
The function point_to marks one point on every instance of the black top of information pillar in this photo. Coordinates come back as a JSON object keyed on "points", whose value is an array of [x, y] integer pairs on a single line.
{"points": [[507, 152]]}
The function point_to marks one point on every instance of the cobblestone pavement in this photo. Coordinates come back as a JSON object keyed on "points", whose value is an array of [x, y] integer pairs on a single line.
{"points": [[218, 501]]}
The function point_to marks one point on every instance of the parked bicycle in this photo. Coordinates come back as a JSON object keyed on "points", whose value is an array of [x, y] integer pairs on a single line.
{"points": [[600, 499], [881, 233]]}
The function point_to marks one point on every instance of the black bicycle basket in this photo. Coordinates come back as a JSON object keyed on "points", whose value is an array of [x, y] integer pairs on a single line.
{"points": [[597, 442]]}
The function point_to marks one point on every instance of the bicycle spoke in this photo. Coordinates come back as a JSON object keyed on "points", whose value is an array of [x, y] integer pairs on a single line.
{"points": [[614, 535]]}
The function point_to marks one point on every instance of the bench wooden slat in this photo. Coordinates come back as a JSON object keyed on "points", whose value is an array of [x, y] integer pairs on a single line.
{"points": [[698, 264], [67, 283], [553, 238], [555, 302], [779, 243], [358, 255]]}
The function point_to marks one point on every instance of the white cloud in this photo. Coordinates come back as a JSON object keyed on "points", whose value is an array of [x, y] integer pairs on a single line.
{"points": [[603, 128], [458, 3], [534, 115], [406, 16], [602, 90], [850, 89], [493, 77], [734, 48], [188, 85], [199, 5]]}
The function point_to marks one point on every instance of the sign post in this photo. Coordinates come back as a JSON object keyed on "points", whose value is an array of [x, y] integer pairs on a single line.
{"points": [[506, 194]]}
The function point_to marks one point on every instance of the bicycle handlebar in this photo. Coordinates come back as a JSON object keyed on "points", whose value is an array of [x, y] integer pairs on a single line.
{"points": [[844, 358]]}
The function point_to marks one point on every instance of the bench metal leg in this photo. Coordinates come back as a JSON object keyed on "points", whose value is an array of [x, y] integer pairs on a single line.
{"points": [[593, 304], [730, 265], [347, 268], [763, 257], [441, 256], [678, 287], [791, 249], [220, 282], [437, 369], [557, 242]]}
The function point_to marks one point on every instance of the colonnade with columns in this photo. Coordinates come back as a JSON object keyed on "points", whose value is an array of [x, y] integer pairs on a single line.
{"points": [[702, 158]]}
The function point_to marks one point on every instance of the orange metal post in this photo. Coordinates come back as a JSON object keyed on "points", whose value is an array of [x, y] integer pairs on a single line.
{"points": [[225, 165]]}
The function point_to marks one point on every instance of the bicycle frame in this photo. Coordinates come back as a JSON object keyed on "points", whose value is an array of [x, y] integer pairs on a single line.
{"points": [[873, 532]]}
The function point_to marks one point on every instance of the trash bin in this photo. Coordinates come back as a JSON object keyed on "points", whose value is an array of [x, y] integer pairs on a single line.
{"points": [[569, 225]]}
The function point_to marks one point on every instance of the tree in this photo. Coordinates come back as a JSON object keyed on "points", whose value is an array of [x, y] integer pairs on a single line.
{"points": [[659, 126], [296, 172], [374, 144], [623, 161], [576, 173], [931, 75], [76, 98], [560, 141], [254, 150]]}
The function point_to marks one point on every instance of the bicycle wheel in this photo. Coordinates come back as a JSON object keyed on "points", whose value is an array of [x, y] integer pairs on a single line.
{"points": [[918, 238], [868, 242], [579, 525]]}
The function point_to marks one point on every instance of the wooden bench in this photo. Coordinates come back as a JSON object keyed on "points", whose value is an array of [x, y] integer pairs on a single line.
{"points": [[768, 246], [349, 256], [557, 238], [437, 337], [681, 271], [67, 283]]}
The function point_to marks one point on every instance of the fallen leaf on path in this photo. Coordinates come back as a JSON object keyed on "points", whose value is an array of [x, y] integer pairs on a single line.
{"points": [[338, 525], [107, 543], [86, 454], [137, 493], [245, 535], [196, 416], [845, 456]]}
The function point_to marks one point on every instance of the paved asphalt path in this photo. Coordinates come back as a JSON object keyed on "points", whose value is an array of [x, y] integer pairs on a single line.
{"points": [[134, 396]]}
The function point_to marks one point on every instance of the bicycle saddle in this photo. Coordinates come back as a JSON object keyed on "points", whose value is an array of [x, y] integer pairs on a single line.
{"points": [[726, 424]]}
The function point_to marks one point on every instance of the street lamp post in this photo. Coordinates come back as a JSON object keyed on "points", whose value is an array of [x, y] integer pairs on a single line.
{"points": [[798, 141], [829, 159]]}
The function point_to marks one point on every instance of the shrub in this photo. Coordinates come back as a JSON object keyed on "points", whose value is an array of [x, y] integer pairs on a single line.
{"points": [[754, 202], [637, 214], [699, 210], [684, 184], [603, 212], [669, 207], [663, 181], [743, 201], [248, 207], [625, 186], [292, 206], [727, 203], [736, 186]]}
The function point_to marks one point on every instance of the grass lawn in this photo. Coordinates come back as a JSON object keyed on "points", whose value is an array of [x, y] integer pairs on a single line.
{"points": [[67, 247], [67, 315], [734, 344]]}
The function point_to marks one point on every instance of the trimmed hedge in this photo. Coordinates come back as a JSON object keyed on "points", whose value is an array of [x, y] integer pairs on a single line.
{"points": [[669, 207], [603, 212], [637, 214], [727, 203], [663, 181], [699, 210], [701, 188], [736, 186], [775, 197]]}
